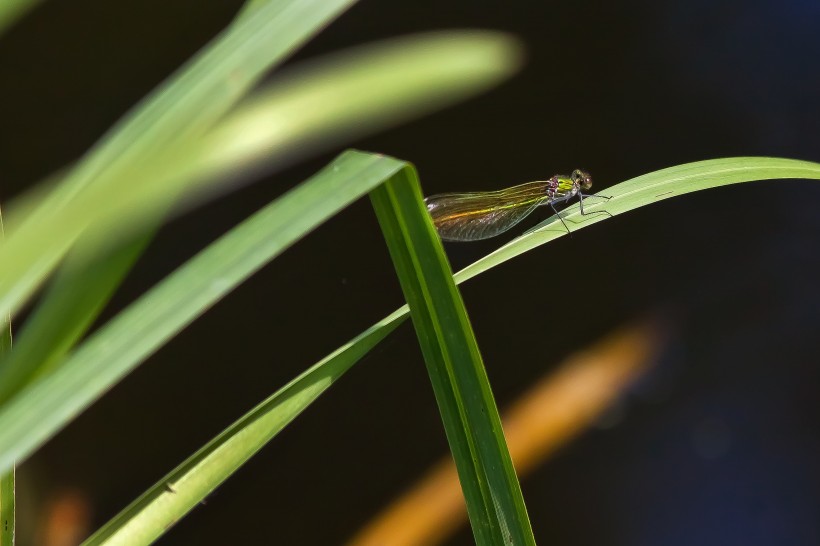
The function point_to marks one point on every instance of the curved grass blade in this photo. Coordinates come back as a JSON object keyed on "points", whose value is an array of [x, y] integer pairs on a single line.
{"points": [[468, 410], [160, 507]]}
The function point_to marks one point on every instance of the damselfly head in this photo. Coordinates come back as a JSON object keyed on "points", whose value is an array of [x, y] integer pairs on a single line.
{"points": [[582, 178]]}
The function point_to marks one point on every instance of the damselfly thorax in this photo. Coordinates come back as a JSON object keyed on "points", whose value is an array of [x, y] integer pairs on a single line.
{"points": [[479, 215]]}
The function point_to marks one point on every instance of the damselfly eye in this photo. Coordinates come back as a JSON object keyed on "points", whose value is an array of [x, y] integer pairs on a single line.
{"points": [[582, 178]]}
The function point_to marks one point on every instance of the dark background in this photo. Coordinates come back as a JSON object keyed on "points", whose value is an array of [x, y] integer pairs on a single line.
{"points": [[719, 445]]}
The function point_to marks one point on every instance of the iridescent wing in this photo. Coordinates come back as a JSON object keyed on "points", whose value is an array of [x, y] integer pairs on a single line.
{"points": [[480, 215]]}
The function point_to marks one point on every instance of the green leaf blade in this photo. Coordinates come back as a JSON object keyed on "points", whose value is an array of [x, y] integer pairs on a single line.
{"points": [[494, 501]]}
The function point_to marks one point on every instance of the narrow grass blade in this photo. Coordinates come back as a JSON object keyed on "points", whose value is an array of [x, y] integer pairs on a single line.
{"points": [[176, 494], [43, 407], [468, 410], [645, 190], [179, 110]]}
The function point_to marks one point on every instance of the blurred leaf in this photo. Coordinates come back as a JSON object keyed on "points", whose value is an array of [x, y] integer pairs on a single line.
{"points": [[468, 410], [11, 10], [74, 299], [179, 111], [250, 6]]}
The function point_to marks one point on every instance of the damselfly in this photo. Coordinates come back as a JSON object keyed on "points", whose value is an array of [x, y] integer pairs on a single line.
{"points": [[480, 215]]}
